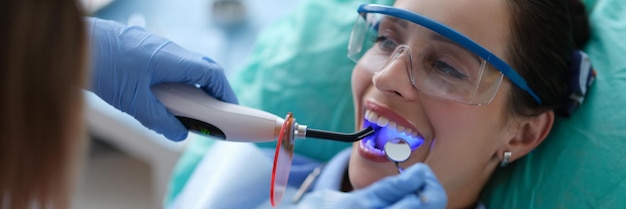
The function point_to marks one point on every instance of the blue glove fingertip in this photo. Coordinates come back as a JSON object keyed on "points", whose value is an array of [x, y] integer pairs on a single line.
{"points": [[172, 128], [165, 124], [160, 119], [221, 89], [393, 188], [409, 175], [177, 136]]}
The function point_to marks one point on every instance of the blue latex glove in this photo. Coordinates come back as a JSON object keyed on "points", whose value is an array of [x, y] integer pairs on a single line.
{"points": [[127, 61], [416, 187]]}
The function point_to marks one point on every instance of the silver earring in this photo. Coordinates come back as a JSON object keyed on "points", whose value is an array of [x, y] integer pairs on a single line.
{"points": [[505, 161]]}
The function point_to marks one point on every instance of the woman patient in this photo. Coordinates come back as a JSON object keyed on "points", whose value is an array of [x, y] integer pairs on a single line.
{"points": [[470, 118], [471, 85]]}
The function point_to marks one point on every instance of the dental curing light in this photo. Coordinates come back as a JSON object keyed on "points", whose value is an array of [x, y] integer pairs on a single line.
{"points": [[205, 115]]}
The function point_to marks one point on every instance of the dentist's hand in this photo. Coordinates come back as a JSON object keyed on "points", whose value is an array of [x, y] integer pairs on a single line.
{"points": [[416, 187], [127, 61]]}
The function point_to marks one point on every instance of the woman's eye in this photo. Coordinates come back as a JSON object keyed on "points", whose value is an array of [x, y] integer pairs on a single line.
{"points": [[386, 43], [446, 69]]}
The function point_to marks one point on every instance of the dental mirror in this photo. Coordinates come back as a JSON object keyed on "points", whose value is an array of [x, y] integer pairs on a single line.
{"points": [[397, 150]]}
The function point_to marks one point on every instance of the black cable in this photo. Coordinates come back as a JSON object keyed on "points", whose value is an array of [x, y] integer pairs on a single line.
{"points": [[336, 136]]}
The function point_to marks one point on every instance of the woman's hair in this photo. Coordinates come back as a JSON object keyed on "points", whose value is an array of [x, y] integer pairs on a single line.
{"points": [[42, 62], [544, 34]]}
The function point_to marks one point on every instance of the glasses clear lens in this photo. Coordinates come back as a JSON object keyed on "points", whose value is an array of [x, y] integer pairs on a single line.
{"points": [[361, 32], [435, 64], [282, 160]]}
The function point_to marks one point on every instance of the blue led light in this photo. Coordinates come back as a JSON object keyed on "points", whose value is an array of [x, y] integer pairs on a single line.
{"points": [[384, 134]]}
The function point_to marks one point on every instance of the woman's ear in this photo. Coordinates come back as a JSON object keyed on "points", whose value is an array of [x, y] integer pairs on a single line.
{"points": [[529, 133]]}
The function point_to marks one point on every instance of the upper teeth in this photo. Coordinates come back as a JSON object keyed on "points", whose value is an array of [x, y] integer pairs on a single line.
{"points": [[384, 122]]}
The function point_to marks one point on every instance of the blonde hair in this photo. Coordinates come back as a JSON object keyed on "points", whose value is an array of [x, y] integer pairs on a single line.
{"points": [[42, 62]]}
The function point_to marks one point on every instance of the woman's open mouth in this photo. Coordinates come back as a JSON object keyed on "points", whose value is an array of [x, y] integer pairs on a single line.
{"points": [[372, 147]]}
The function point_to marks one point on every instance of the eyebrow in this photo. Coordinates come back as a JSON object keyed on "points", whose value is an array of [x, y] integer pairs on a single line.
{"points": [[438, 37], [396, 21], [434, 35]]}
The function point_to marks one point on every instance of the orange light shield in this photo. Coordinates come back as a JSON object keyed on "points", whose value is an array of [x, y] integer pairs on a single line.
{"points": [[282, 160]]}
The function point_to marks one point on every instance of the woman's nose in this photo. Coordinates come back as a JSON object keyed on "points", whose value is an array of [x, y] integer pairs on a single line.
{"points": [[395, 76]]}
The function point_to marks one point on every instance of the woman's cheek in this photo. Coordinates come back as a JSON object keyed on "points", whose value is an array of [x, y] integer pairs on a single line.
{"points": [[361, 80]]}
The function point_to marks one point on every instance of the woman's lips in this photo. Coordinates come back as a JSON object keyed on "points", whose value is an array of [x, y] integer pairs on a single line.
{"points": [[369, 152], [382, 117], [392, 116]]}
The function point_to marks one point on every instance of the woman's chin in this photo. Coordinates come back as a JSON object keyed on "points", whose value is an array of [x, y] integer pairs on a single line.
{"points": [[364, 171]]}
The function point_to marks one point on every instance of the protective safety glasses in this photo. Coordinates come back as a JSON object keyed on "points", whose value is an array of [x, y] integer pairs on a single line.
{"points": [[440, 61]]}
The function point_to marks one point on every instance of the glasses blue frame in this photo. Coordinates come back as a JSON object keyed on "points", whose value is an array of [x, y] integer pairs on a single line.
{"points": [[455, 36]]}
